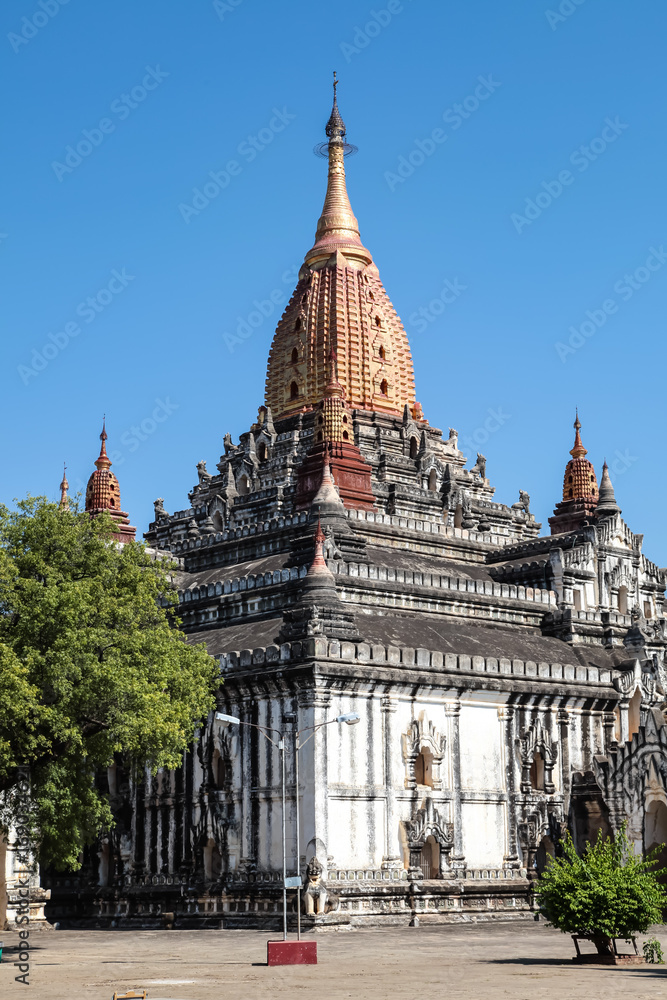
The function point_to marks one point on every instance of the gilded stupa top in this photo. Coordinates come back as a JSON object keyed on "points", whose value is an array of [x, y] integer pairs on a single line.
{"points": [[339, 305]]}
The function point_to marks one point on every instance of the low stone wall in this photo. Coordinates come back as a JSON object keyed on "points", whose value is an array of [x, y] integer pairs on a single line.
{"points": [[256, 902]]}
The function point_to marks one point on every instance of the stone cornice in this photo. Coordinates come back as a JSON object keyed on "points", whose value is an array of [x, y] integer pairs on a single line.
{"points": [[364, 654]]}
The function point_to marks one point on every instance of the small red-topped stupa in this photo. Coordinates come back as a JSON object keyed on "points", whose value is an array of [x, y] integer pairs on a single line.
{"points": [[103, 494], [580, 490]]}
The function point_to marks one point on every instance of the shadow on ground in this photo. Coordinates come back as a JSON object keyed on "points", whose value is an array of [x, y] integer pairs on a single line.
{"points": [[529, 961]]}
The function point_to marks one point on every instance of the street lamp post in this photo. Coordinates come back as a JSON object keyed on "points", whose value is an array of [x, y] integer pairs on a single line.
{"points": [[350, 719]]}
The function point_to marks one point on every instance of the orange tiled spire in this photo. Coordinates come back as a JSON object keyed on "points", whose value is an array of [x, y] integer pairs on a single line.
{"points": [[339, 304], [103, 493], [580, 489], [580, 481]]}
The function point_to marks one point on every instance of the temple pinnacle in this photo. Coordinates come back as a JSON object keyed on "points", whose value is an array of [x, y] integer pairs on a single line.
{"points": [[337, 228], [103, 461], [103, 493], [607, 505], [335, 127], [64, 486], [580, 489], [578, 451]]}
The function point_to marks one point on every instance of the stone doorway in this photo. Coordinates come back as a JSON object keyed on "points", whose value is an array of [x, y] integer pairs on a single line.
{"points": [[430, 858]]}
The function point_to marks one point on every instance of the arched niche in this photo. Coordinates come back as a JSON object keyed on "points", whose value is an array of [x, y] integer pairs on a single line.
{"points": [[212, 861]]}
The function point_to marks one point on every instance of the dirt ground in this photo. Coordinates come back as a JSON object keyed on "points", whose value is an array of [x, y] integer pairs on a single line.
{"points": [[527, 960]]}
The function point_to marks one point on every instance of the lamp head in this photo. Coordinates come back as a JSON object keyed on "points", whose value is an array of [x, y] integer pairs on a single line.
{"points": [[351, 718], [226, 720]]}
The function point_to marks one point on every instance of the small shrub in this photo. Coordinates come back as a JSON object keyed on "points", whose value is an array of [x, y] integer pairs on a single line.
{"points": [[609, 892], [653, 951]]}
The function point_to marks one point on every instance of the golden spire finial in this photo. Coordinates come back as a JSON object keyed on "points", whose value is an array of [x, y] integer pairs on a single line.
{"points": [[103, 461], [337, 228], [578, 451]]}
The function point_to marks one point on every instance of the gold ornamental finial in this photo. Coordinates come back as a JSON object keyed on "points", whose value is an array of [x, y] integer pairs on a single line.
{"points": [[578, 451], [337, 228], [103, 461]]}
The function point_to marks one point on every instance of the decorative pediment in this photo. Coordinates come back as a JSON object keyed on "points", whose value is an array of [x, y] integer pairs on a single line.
{"points": [[423, 735], [429, 823], [429, 461], [423, 740], [537, 740]]}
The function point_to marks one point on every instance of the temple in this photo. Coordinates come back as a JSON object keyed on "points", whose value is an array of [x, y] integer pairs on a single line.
{"points": [[103, 494], [346, 556]]}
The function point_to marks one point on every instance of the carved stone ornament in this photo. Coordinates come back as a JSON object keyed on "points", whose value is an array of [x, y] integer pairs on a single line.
{"points": [[423, 735], [428, 823], [537, 739]]}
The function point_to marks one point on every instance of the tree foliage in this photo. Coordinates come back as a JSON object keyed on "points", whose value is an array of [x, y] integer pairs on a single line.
{"points": [[607, 892], [92, 665]]}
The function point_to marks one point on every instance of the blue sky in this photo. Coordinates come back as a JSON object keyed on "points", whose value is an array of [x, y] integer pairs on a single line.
{"points": [[540, 199]]}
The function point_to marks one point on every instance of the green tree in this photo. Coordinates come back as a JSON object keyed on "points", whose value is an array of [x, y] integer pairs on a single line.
{"points": [[92, 668], [608, 892]]}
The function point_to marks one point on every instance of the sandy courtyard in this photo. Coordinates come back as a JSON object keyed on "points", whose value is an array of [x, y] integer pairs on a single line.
{"points": [[527, 961]]}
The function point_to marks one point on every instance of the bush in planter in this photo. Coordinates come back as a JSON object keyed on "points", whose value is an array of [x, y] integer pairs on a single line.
{"points": [[608, 892]]}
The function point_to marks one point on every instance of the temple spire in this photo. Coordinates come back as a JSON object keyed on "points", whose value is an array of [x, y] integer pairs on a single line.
{"points": [[64, 486], [606, 498], [580, 490], [578, 451], [103, 494], [103, 461], [319, 584], [337, 228], [339, 302], [335, 127]]}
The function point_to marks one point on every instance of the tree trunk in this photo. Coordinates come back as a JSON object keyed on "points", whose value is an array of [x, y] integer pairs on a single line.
{"points": [[604, 944]]}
